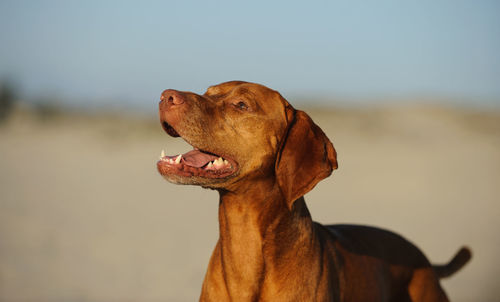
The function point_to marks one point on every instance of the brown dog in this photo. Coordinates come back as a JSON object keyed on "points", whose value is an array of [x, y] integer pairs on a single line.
{"points": [[262, 156]]}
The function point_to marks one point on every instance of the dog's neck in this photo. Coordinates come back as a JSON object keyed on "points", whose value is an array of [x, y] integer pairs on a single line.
{"points": [[258, 235]]}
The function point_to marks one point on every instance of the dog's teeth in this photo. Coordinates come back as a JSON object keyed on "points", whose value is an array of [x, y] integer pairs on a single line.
{"points": [[226, 162], [162, 153], [210, 165], [178, 159], [218, 163], [171, 161]]}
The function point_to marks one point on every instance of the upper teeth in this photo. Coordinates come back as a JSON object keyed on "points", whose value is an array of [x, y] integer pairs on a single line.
{"points": [[216, 164]]}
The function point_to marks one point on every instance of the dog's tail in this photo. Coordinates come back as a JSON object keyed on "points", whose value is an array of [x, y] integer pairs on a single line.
{"points": [[458, 261]]}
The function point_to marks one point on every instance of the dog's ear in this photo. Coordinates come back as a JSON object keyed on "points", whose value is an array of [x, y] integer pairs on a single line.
{"points": [[305, 157]]}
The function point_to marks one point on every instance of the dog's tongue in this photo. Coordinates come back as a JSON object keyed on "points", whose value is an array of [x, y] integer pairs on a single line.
{"points": [[197, 159]]}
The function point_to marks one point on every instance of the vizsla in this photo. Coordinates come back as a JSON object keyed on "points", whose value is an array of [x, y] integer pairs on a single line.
{"points": [[262, 156]]}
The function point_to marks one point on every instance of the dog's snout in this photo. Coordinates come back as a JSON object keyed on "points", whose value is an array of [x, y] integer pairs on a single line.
{"points": [[172, 97]]}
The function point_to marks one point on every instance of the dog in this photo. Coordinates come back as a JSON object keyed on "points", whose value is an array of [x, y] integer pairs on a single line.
{"points": [[262, 156]]}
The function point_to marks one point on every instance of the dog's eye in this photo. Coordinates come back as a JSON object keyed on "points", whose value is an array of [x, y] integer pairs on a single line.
{"points": [[241, 105]]}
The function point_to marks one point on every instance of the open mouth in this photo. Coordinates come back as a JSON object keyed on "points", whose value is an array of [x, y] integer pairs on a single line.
{"points": [[196, 162]]}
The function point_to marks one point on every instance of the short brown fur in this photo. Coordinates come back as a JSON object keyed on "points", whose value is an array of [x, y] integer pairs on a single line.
{"points": [[269, 248]]}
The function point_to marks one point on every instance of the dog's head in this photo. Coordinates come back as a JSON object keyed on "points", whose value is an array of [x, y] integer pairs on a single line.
{"points": [[242, 132]]}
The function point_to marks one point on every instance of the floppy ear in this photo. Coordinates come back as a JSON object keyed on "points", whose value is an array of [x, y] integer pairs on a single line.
{"points": [[305, 157]]}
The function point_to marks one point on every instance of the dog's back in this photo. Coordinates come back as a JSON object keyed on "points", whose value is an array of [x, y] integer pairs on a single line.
{"points": [[371, 257]]}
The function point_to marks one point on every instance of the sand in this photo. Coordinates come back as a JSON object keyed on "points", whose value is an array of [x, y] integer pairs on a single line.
{"points": [[84, 216]]}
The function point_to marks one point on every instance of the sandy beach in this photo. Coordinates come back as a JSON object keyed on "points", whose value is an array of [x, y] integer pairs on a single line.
{"points": [[84, 216]]}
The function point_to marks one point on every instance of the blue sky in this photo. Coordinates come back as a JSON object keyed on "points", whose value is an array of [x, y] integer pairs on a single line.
{"points": [[104, 51]]}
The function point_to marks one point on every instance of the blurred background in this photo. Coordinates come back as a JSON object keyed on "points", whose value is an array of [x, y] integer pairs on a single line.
{"points": [[408, 92]]}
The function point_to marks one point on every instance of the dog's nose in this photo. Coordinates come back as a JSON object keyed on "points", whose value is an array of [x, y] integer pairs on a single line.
{"points": [[172, 97]]}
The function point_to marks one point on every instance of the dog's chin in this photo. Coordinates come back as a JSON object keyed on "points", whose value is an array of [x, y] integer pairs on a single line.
{"points": [[183, 174], [196, 181]]}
